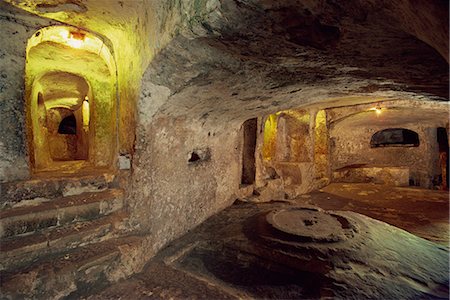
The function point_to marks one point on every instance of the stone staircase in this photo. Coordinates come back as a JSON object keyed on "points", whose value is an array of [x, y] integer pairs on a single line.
{"points": [[62, 237]]}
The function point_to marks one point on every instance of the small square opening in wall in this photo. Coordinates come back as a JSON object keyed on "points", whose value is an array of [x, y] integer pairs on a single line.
{"points": [[124, 162], [199, 155]]}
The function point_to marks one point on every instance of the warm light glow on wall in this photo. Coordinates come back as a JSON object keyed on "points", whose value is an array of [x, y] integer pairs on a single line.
{"points": [[297, 114], [63, 33], [75, 43], [269, 148], [66, 102], [378, 110], [321, 139], [80, 66], [74, 38], [270, 133], [86, 113]]}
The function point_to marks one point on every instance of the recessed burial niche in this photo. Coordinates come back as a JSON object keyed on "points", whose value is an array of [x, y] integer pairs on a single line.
{"points": [[395, 137], [248, 151], [70, 93], [286, 137]]}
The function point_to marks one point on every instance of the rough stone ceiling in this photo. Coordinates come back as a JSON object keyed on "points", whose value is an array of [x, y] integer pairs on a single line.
{"points": [[394, 117], [60, 84], [235, 59], [57, 57], [61, 73], [133, 29], [256, 59]]}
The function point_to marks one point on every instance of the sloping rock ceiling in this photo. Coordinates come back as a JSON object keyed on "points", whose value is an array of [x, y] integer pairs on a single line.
{"points": [[254, 57], [240, 58]]}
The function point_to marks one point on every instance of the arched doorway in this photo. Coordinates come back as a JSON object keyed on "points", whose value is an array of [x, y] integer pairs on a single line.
{"points": [[64, 115], [70, 89]]}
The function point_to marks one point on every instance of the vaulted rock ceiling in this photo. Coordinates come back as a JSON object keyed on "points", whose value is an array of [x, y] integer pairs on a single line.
{"points": [[230, 60], [259, 57]]}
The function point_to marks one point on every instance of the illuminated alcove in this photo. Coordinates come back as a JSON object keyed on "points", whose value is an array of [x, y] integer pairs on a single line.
{"points": [[70, 91], [286, 135], [293, 151]]}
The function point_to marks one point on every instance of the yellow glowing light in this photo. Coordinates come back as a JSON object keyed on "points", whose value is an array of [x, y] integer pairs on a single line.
{"points": [[378, 110], [269, 140], [64, 33], [86, 112], [75, 43], [300, 115], [73, 39]]}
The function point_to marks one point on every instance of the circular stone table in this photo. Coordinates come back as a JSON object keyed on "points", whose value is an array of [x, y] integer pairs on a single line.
{"points": [[310, 224]]}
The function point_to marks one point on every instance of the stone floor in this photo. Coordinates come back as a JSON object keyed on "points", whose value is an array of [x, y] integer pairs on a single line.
{"points": [[422, 212], [237, 254]]}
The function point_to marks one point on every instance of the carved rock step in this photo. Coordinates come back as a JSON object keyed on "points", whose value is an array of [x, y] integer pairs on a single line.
{"points": [[14, 192], [21, 250], [74, 271], [58, 212]]}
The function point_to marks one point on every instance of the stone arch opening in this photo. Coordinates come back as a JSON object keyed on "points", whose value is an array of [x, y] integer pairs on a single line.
{"points": [[62, 129], [70, 91], [68, 125], [395, 137]]}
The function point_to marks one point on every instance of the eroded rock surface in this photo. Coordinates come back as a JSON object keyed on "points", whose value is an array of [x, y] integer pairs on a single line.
{"points": [[238, 254], [259, 57]]}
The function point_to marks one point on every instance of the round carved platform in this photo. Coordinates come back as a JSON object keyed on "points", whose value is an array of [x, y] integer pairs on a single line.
{"points": [[311, 224]]}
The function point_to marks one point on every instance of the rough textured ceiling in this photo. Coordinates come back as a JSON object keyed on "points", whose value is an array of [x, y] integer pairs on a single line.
{"points": [[394, 117], [256, 59], [63, 85], [236, 59], [63, 73]]}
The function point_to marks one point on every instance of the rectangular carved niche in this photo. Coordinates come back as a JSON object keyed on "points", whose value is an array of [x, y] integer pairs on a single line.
{"points": [[248, 151]]}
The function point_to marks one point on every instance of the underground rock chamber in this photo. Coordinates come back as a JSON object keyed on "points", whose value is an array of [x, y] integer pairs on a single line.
{"points": [[189, 73], [305, 252]]}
